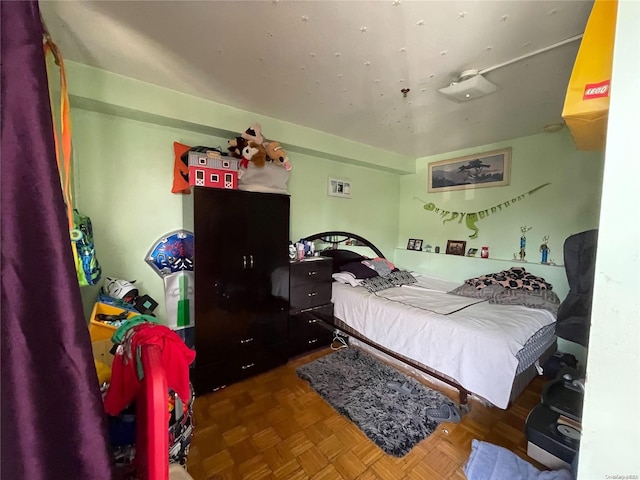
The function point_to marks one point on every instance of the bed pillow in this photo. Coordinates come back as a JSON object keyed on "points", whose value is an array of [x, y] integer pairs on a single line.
{"points": [[394, 279], [348, 278], [515, 277], [466, 290], [401, 277], [269, 178], [545, 299], [358, 270], [381, 265], [341, 257]]}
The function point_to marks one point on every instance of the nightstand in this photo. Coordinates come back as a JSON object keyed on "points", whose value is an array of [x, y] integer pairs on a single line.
{"points": [[310, 302]]}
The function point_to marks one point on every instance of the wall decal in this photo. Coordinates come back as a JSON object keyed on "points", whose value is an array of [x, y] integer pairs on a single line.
{"points": [[472, 217]]}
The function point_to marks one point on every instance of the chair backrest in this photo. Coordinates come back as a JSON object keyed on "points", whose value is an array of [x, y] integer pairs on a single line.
{"points": [[574, 314]]}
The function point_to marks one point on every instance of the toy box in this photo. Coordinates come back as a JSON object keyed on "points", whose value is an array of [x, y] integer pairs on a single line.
{"points": [[102, 351], [201, 176], [100, 330]]}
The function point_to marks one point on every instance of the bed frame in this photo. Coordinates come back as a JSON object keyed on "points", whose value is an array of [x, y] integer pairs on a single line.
{"points": [[520, 382]]}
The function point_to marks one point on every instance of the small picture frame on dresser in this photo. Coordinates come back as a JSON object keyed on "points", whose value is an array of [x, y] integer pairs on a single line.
{"points": [[418, 244], [411, 244]]}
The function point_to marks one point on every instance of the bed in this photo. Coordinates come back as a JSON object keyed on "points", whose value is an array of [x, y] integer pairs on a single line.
{"points": [[491, 349]]}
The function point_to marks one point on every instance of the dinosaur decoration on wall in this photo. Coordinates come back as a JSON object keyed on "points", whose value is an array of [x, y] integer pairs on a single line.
{"points": [[472, 217]]}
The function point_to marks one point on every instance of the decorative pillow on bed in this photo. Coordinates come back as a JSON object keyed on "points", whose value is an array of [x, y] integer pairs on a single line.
{"points": [[341, 257], [545, 299], [358, 270], [515, 277], [346, 277], [489, 291], [401, 277], [394, 279], [381, 265]]}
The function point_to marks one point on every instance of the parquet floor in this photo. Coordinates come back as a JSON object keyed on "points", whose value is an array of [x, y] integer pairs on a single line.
{"points": [[274, 426]]}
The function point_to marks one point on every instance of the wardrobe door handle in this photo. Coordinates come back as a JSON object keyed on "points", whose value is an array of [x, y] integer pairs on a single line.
{"points": [[250, 261], [246, 340], [312, 294], [249, 365], [312, 273], [313, 320], [244, 262], [311, 342]]}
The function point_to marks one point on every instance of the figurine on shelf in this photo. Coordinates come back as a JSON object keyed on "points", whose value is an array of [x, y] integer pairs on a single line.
{"points": [[544, 249], [523, 242]]}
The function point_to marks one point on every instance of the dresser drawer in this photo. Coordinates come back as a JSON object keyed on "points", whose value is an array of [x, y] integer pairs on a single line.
{"points": [[321, 338], [310, 295], [308, 321], [306, 331], [212, 376], [221, 335], [312, 270]]}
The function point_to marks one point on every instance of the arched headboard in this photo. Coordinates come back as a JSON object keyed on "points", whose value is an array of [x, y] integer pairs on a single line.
{"points": [[336, 238]]}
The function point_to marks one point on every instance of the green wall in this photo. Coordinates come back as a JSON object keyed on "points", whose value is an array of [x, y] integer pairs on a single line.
{"points": [[569, 205], [123, 157], [124, 172]]}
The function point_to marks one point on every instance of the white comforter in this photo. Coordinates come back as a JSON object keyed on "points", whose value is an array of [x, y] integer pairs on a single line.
{"points": [[476, 346]]}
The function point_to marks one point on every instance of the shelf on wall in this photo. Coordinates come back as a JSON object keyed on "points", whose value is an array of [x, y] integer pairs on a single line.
{"points": [[514, 261]]}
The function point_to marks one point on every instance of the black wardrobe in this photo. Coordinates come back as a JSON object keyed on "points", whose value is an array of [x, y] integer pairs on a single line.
{"points": [[241, 284]]}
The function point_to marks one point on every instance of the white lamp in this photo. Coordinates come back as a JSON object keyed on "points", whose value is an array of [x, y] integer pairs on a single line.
{"points": [[471, 85]]}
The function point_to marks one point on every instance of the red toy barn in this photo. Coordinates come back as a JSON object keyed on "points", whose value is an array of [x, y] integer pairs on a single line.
{"points": [[213, 177]]}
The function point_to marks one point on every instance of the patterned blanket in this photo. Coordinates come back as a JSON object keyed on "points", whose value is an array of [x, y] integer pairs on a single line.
{"points": [[514, 278]]}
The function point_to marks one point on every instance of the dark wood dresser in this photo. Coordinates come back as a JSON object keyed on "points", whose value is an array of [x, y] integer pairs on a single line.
{"points": [[310, 301]]}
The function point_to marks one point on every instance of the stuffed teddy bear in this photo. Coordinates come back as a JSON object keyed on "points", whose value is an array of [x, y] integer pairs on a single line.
{"points": [[236, 145], [277, 155], [253, 134]]}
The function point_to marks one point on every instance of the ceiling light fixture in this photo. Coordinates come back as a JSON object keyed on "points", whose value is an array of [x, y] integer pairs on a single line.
{"points": [[470, 85]]}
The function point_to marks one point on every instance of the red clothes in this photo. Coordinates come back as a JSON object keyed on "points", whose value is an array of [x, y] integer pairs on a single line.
{"points": [[175, 357]]}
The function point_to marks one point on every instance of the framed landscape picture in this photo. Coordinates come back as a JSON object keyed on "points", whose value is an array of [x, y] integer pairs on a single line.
{"points": [[489, 169]]}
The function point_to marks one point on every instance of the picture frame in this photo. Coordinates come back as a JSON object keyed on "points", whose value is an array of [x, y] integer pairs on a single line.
{"points": [[472, 252], [411, 244], [339, 188], [456, 247], [480, 170], [418, 244]]}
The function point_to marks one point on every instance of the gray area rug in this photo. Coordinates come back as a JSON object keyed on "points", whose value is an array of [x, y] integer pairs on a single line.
{"points": [[355, 384]]}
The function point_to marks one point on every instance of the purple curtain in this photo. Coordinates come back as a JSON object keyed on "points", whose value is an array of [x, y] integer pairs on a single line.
{"points": [[53, 425]]}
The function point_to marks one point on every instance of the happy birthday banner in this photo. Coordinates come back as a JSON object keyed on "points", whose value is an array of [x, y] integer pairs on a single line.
{"points": [[472, 218]]}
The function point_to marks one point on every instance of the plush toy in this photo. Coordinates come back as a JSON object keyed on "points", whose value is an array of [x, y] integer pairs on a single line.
{"points": [[254, 153], [253, 134], [260, 157], [277, 155], [236, 145]]}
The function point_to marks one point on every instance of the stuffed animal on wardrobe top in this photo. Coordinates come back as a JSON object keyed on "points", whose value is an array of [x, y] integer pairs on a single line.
{"points": [[236, 145], [253, 134], [254, 153], [277, 155]]}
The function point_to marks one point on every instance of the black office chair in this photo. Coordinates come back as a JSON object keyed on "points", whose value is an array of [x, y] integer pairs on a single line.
{"points": [[574, 314]]}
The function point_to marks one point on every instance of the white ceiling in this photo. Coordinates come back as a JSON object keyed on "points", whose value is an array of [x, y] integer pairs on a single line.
{"points": [[339, 66]]}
